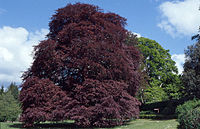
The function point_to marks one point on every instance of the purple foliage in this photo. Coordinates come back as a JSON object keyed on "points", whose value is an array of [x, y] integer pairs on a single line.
{"points": [[83, 71]]}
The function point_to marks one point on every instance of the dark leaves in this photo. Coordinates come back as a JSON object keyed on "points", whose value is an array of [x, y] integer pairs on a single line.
{"points": [[83, 72]]}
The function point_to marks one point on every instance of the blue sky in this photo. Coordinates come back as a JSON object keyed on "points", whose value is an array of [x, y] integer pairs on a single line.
{"points": [[23, 23]]}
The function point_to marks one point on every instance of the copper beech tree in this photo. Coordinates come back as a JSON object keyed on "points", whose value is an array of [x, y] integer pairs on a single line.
{"points": [[83, 71]]}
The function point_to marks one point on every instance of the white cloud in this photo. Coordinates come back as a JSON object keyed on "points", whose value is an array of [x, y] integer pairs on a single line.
{"points": [[15, 51], [179, 59], [168, 28], [180, 17], [5, 54]]}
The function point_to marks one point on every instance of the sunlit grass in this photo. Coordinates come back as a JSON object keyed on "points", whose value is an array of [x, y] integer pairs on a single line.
{"points": [[150, 124], [135, 124]]}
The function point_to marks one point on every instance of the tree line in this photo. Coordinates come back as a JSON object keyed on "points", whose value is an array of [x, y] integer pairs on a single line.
{"points": [[9, 103]]}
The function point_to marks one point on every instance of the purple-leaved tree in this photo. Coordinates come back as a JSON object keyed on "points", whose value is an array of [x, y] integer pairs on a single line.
{"points": [[84, 71]]}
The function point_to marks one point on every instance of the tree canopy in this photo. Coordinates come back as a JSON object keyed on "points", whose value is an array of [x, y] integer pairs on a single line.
{"points": [[163, 81], [9, 107], [191, 73], [83, 71], [2, 90], [161, 69], [13, 88]]}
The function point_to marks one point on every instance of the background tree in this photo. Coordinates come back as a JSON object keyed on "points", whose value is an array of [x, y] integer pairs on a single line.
{"points": [[191, 73], [2, 90], [9, 107], [161, 69], [13, 88], [83, 71], [163, 81]]}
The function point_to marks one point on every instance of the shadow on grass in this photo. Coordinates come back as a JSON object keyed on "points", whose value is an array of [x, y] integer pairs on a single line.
{"points": [[158, 117], [47, 126], [166, 117], [57, 126]]}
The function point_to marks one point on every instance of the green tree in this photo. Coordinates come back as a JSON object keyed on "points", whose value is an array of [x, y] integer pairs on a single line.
{"points": [[163, 81], [13, 88], [2, 90], [161, 69], [191, 73], [9, 107]]}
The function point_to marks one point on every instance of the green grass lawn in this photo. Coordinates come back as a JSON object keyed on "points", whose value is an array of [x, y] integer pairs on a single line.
{"points": [[150, 124], [135, 124]]}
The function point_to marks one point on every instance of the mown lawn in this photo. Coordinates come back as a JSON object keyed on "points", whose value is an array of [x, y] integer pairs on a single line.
{"points": [[135, 124], [150, 124]]}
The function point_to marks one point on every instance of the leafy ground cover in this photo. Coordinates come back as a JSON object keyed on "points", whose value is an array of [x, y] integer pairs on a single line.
{"points": [[135, 124]]}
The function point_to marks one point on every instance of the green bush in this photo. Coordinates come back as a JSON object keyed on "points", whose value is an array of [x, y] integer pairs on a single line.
{"points": [[147, 112], [153, 115], [191, 120], [167, 110], [189, 115], [189, 105], [166, 107]]}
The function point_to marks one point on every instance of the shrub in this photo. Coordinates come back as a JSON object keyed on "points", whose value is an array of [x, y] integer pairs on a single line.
{"points": [[168, 110], [190, 120], [166, 107], [189, 105], [153, 115], [189, 115]]}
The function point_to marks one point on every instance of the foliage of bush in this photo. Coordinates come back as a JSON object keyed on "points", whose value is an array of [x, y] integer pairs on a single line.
{"points": [[153, 115], [189, 115], [147, 115], [166, 107], [189, 105], [168, 110]]}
